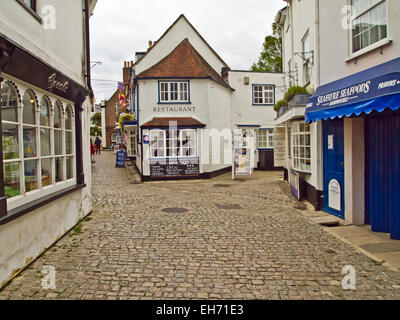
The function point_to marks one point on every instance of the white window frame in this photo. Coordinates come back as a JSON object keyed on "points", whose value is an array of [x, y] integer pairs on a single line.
{"points": [[41, 191], [363, 12], [299, 162], [132, 142], [265, 139], [262, 91], [193, 143], [177, 142], [174, 92], [154, 133]]}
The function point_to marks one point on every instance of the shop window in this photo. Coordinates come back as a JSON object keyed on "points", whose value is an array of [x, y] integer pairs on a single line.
{"points": [[38, 145], [266, 139], [187, 139], [132, 143], [172, 92], [263, 94], [369, 23], [157, 144], [173, 143], [301, 147]]}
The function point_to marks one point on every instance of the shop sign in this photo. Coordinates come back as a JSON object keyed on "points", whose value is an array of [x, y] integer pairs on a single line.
{"points": [[294, 184], [174, 109], [174, 168], [54, 84], [334, 195], [146, 139], [120, 158], [366, 90], [330, 142], [243, 152]]}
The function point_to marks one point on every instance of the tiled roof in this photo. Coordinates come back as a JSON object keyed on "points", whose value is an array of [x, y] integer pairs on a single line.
{"points": [[183, 62], [181, 122]]}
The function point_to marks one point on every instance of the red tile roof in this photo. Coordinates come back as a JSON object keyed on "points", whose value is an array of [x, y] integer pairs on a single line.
{"points": [[183, 62], [181, 122]]}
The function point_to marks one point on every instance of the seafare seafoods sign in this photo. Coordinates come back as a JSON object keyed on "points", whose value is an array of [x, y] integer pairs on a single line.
{"points": [[380, 86]]}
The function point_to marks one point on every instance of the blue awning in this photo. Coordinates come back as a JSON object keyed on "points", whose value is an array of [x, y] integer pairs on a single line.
{"points": [[374, 89]]}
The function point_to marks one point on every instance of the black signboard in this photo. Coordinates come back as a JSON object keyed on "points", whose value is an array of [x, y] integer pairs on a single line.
{"points": [[174, 168], [120, 159]]}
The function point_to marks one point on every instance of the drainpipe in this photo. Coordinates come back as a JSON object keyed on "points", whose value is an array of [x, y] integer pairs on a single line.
{"points": [[79, 108], [87, 38], [317, 47]]}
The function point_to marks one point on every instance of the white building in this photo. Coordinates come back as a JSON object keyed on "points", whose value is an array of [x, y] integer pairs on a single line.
{"points": [[45, 176], [358, 105], [301, 61], [181, 80], [353, 115]]}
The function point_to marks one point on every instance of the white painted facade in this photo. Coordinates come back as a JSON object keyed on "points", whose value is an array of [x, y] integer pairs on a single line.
{"points": [[220, 108], [338, 61], [329, 26], [63, 48], [299, 21]]}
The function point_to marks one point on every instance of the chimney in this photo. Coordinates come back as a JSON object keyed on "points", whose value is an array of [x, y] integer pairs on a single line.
{"points": [[150, 44], [125, 72]]}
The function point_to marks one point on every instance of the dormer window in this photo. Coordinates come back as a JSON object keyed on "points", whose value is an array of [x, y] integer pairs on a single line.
{"points": [[174, 92]]}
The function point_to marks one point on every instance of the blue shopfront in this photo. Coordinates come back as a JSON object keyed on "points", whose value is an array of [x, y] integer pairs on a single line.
{"points": [[361, 146]]}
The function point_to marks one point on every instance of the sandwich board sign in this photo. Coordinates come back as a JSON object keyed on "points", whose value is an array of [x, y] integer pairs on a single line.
{"points": [[120, 158], [243, 152]]}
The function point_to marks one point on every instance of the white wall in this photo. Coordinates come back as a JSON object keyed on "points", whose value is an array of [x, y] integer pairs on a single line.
{"points": [[62, 48], [176, 35], [335, 46], [301, 17], [243, 110], [212, 107], [28, 236]]}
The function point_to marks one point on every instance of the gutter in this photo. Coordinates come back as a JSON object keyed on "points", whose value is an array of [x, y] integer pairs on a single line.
{"points": [[87, 38]]}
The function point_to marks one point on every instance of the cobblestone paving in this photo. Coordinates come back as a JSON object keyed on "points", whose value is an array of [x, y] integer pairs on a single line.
{"points": [[241, 240]]}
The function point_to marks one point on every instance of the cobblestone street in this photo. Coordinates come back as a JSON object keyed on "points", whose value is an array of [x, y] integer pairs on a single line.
{"points": [[236, 240]]}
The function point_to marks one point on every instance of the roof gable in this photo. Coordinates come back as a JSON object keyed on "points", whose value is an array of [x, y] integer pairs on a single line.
{"points": [[179, 30], [183, 62]]}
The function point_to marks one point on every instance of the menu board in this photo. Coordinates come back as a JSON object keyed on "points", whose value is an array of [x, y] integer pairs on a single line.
{"points": [[243, 152], [120, 159], [176, 168]]}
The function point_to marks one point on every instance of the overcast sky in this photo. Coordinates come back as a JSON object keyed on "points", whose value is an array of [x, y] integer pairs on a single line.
{"points": [[234, 28]]}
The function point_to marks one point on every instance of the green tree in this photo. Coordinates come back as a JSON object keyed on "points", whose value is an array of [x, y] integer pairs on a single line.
{"points": [[271, 56], [96, 119]]}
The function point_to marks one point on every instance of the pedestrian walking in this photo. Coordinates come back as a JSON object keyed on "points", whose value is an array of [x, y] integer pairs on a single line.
{"points": [[97, 144]]}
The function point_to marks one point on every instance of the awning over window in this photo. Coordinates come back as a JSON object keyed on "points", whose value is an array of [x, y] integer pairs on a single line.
{"points": [[180, 122], [374, 89]]}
